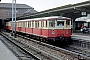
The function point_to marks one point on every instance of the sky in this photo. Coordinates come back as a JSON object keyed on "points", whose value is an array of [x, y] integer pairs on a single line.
{"points": [[41, 5]]}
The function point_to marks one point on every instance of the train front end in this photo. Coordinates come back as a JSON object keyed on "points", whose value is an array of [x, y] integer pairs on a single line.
{"points": [[60, 30]]}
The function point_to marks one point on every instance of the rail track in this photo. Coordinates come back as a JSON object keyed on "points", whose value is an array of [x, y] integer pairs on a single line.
{"points": [[81, 46], [19, 52], [45, 51]]}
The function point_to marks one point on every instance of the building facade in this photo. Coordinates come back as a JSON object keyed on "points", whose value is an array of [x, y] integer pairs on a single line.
{"points": [[6, 10]]}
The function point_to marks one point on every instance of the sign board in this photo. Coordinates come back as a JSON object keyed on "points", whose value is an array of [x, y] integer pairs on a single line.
{"points": [[83, 13], [86, 24]]}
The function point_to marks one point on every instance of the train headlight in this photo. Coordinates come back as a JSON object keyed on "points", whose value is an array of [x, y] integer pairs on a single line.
{"points": [[53, 32], [67, 31]]}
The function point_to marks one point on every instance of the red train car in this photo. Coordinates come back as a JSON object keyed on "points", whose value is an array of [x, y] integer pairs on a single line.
{"points": [[54, 28]]}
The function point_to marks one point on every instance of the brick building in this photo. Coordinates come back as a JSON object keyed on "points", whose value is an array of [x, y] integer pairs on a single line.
{"points": [[6, 10]]}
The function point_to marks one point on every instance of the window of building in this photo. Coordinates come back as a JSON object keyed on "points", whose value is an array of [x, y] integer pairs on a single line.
{"points": [[17, 11], [8, 11]]}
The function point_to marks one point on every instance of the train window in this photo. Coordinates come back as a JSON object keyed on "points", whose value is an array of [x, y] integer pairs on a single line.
{"points": [[9, 24], [51, 23], [42, 23], [67, 23], [38, 24], [6, 24], [26, 24], [29, 24], [20, 24], [46, 23], [32, 23], [23, 24], [35, 24], [16, 24], [60, 23]]}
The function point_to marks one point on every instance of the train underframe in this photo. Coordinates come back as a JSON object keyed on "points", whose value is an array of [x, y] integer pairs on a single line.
{"points": [[61, 40]]}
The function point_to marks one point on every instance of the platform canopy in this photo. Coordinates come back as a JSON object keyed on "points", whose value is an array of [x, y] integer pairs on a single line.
{"points": [[88, 20], [71, 10], [81, 19]]}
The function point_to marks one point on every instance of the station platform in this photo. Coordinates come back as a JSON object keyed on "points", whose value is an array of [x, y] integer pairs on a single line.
{"points": [[81, 36], [5, 53]]}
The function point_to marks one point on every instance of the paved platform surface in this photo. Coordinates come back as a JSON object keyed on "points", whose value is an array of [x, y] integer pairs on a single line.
{"points": [[81, 36], [5, 53]]}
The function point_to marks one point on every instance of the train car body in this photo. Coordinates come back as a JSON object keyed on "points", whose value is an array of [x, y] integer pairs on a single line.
{"points": [[46, 28]]}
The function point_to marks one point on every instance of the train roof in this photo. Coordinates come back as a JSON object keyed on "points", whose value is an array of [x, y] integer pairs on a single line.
{"points": [[44, 18]]}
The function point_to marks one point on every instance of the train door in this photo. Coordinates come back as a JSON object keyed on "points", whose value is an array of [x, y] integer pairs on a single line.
{"points": [[32, 26], [41, 27]]}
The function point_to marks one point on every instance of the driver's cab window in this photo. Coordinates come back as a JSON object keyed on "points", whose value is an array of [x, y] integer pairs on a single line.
{"points": [[51, 23], [67, 23], [60, 23]]}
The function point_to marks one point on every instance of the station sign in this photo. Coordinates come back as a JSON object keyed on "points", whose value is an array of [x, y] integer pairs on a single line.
{"points": [[83, 13]]}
